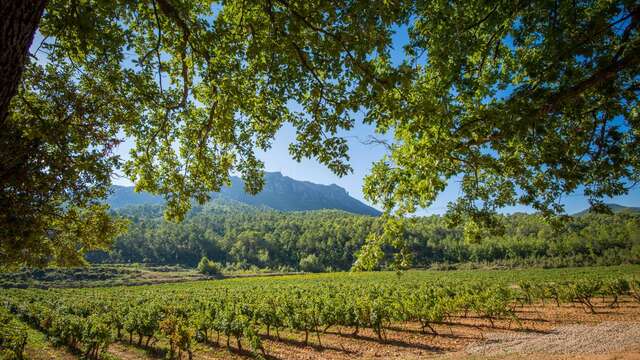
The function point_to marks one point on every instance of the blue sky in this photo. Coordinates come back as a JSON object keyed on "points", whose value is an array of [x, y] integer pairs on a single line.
{"points": [[362, 156]]}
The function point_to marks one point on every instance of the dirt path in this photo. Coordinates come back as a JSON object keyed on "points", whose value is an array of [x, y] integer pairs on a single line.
{"points": [[584, 341]]}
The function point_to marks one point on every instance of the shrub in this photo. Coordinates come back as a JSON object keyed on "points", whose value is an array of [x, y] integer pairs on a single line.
{"points": [[209, 267], [616, 288], [285, 269], [96, 336], [311, 263], [583, 291], [13, 337], [634, 285], [178, 332]]}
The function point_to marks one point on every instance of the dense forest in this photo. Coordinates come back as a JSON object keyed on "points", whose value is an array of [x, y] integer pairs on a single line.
{"points": [[242, 237]]}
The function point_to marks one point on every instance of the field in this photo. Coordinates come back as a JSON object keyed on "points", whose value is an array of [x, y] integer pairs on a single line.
{"points": [[559, 313]]}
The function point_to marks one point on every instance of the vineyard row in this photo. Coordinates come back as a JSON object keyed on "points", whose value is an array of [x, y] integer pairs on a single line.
{"points": [[88, 324]]}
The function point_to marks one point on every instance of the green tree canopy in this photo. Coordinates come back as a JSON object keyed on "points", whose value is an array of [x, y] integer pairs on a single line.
{"points": [[525, 101]]}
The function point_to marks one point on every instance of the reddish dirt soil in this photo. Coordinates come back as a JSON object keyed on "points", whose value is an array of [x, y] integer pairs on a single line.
{"points": [[459, 338]]}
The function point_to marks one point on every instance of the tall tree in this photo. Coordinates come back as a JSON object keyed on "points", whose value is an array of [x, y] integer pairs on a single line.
{"points": [[199, 85], [524, 101], [20, 21]]}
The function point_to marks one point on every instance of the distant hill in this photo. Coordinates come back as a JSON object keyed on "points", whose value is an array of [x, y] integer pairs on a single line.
{"points": [[280, 193], [124, 196], [615, 208]]}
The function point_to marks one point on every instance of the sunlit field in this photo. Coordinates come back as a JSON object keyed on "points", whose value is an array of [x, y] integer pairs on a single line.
{"points": [[317, 315]]}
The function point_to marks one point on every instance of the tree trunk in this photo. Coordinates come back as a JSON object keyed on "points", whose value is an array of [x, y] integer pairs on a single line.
{"points": [[20, 19]]}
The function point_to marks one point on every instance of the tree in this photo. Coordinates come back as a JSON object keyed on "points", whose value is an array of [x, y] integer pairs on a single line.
{"points": [[16, 35], [311, 263], [523, 101], [199, 85], [208, 267]]}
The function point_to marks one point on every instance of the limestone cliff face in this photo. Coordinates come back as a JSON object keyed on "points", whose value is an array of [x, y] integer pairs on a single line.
{"points": [[280, 193]]}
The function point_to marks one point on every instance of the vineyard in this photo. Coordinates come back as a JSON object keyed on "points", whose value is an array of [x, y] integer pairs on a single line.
{"points": [[240, 315]]}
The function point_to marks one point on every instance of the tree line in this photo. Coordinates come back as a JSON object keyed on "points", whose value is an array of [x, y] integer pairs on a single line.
{"points": [[244, 237]]}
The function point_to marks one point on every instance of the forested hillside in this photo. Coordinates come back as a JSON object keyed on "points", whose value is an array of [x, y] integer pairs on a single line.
{"points": [[242, 236], [279, 193]]}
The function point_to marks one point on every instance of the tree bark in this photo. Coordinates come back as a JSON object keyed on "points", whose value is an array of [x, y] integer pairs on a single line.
{"points": [[20, 19]]}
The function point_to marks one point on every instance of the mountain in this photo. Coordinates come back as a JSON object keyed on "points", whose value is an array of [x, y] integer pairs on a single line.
{"points": [[615, 208], [123, 196], [280, 193]]}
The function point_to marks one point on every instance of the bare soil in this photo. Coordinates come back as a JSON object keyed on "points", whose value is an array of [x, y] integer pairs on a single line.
{"points": [[544, 332]]}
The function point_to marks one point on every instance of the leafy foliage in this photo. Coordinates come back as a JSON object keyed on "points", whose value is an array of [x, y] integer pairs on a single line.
{"points": [[58, 160], [13, 337], [208, 267], [199, 86], [522, 102], [242, 237], [311, 263]]}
